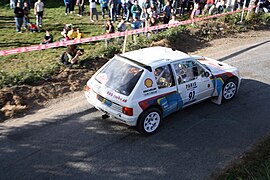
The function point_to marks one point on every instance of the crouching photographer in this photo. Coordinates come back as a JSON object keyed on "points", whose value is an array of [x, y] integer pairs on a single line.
{"points": [[71, 56]]}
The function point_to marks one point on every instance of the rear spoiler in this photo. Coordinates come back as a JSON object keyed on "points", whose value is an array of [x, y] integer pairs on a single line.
{"points": [[135, 62]]}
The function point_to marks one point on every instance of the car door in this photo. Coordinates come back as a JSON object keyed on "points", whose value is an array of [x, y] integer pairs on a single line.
{"points": [[193, 81], [168, 97]]}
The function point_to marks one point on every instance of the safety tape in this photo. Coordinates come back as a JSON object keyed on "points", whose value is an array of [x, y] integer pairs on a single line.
{"points": [[112, 35]]}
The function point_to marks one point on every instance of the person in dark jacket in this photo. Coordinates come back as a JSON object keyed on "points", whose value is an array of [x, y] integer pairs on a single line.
{"points": [[26, 11], [48, 38], [19, 14]]}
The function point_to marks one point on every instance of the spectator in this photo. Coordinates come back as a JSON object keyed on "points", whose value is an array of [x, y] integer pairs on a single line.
{"points": [[18, 11], [220, 6], [173, 20], [167, 13], [175, 6], [182, 7], [72, 6], [72, 34], [118, 8], [109, 28], [48, 38], [152, 10], [80, 34], [93, 10], [264, 5], [113, 6], [152, 20], [12, 4], [64, 34], [190, 5], [124, 8], [161, 5], [67, 5], [26, 11], [71, 55], [136, 23], [33, 27], [128, 8], [208, 7], [104, 7], [68, 27], [196, 10], [122, 26], [80, 4], [136, 10], [144, 17], [39, 10], [146, 4]]}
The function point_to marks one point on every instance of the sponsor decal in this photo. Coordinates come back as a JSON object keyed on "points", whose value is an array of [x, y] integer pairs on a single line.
{"points": [[150, 91], [148, 82], [118, 97], [190, 86]]}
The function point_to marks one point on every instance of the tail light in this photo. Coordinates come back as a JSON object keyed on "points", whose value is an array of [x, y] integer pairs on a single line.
{"points": [[128, 111], [87, 88]]}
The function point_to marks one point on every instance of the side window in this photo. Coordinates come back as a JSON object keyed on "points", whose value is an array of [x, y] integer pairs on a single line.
{"points": [[164, 78], [187, 71]]}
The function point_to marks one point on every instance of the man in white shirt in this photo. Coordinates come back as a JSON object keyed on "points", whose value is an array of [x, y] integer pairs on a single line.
{"points": [[39, 10]]}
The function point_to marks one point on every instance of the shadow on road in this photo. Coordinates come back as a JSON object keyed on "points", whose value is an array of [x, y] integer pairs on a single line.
{"points": [[243, 51], [191, 144]]}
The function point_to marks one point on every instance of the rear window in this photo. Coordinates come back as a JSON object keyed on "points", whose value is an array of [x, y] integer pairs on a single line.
{"points": [[120, 76]]}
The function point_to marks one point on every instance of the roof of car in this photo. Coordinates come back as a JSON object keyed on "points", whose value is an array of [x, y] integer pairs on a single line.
{"points": [[155, 55]]}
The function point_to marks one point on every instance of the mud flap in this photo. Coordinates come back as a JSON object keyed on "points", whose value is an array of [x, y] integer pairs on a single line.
{"points": [[218, 99]]}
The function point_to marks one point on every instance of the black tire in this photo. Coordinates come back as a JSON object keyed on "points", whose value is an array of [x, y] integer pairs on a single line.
{"points": [[149, 121], [229, 90]]}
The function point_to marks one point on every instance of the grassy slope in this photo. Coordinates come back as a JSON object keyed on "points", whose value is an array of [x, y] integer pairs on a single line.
{"points": [[39, 62]]}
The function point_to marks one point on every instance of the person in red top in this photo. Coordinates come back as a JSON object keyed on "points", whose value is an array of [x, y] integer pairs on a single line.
{"points": [[209, 6], [33, 27]]}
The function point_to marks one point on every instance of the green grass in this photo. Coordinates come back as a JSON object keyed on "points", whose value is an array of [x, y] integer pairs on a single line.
{"points": [[15, 69], [255, 165]]}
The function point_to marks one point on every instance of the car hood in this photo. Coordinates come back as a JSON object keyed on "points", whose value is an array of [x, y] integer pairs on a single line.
{"points": [[217, 67]]}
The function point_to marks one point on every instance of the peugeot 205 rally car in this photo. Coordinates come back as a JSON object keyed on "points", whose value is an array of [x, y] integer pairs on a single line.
{"points": [[142, 87]]}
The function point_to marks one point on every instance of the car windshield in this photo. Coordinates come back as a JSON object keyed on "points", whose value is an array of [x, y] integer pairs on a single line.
{"points": [[120, 76]]}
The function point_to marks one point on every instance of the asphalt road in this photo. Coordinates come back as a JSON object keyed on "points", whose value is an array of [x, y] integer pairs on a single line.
{"points": [[69, 140]]}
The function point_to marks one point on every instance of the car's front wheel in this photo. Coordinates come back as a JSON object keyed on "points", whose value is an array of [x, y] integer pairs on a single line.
{"points": [[229, 90], [149, 121]]}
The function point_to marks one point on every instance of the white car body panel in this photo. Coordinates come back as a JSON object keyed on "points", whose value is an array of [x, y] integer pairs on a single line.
{"points": [[147, 93]]}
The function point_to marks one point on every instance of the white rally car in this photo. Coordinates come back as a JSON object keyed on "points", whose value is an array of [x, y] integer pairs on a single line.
{"points": [[141, 87]]}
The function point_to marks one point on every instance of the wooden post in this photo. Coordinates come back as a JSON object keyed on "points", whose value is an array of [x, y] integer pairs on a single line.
{"points": [[125, 42]]}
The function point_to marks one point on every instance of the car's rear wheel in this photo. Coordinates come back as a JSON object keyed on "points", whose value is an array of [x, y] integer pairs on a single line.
{"points": [[229, 90], [149, 121]]}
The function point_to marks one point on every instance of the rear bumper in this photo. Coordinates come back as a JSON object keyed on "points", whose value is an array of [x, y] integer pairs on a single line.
{"points": [[105, 108]]}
